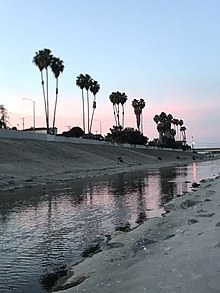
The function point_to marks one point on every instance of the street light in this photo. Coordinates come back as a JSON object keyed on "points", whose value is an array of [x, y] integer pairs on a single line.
{"points": [[33, 111], [100, 125]]}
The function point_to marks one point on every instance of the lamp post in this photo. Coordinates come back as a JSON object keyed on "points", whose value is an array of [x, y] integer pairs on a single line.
{"points": [[100, 125], [33, 111]]}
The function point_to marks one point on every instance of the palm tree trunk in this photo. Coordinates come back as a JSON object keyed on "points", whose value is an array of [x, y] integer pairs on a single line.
{"points": [[114, 111], [83, 105], [93, 110], [123, 116], [55, 106], [45, 104], [47, 101], [118, 115], [138, 121], [88, 108]]}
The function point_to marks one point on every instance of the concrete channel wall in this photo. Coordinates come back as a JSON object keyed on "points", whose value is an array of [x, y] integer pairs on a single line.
{"points": [[16, 134]]}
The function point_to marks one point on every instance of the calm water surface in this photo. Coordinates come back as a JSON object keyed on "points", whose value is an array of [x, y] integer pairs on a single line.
{"points": [[44, 228]]}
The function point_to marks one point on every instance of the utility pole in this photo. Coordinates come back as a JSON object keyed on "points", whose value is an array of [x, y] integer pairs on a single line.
{"points": [[22, 122]]}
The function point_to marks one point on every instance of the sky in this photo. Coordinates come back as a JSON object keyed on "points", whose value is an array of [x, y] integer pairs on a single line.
{"points": [[164, 51]]}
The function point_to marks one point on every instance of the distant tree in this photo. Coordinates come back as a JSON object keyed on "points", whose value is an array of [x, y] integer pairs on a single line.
{"points": [[42, 60], [80, 82], [57, 67], [127, 135], [3, 117], [74, 132], [138, 106], [163, 122], [117, 99], [87, 81], [94, 89]]}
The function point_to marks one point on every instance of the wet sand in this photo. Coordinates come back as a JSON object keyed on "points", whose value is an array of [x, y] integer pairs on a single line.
{"points": [[178, 253]]}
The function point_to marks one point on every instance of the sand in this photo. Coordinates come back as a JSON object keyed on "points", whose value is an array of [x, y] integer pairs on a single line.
{"points": [[178, 253]]}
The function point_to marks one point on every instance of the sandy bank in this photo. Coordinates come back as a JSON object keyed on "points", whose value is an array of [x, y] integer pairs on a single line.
{"points": [[178, 253], [29, 162]]}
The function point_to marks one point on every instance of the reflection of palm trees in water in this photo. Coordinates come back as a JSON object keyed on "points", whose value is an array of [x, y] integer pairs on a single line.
{"points": [[170, 185], [128, 191], [141, 204]]}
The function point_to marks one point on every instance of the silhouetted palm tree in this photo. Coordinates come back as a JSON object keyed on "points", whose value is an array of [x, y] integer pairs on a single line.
{"points": [[94, 88], [138, 106], [123, 98], [80, 82], [57, 67], [113, 98], [3, 117], [118, 98], [42, 60], [87, 81]]}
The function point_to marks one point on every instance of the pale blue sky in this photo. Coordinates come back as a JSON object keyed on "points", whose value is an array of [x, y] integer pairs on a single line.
{"points": [[165, 51]]}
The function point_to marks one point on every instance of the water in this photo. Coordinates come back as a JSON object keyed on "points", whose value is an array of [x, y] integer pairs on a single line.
{"points": [[45, 228]]}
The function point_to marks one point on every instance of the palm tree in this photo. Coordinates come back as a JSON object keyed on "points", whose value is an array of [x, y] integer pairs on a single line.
{"points": [[87, 81], [118, 98], [3, 117], [94, 88], [42, 60], [123, 99], [81, 84], [163, 122], [183, 131], [57, 67], [113, 99], [138, 106]]}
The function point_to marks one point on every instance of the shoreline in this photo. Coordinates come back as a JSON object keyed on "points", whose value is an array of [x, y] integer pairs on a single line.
{"points": [[174, 253]]}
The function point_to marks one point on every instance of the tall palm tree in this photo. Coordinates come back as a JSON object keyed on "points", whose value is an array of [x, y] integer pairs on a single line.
{"points": [[142, 106], [81, 84], [138, 106], [183, 132], [94, 88], [57, 67], [3, 117], [180, 125], [118, 98], [112, 98], [123, 99], [42, 60], [87, 81]]}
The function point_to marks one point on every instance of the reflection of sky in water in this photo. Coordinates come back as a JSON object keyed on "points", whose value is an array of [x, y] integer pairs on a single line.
{"points": [[44, 228]]}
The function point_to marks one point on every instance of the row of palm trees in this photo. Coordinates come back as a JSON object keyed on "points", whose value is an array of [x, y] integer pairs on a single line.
{"points": [[44, 60], [164, 122], [89, 84]]}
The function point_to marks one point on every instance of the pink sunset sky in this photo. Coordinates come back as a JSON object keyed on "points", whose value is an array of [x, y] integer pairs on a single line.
{"points": [[164, 51]]}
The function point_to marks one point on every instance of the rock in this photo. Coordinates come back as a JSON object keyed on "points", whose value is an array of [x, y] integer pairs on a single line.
{"points": [[169, 207], [142, 244], [125, 228], [108, 246], [188, 203], [206, 215], [195, 185], [217, 224], [49, 279], [90, 251], [192, 221]]}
